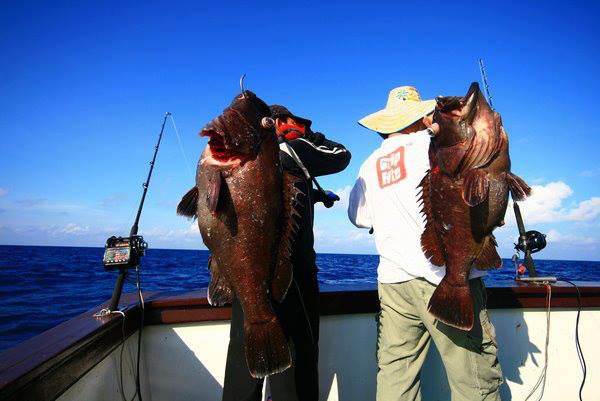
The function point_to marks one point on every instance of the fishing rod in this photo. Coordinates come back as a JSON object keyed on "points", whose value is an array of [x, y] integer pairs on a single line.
{"points": [[485, 83], [328, 197], [531, 241], [124, 253]]}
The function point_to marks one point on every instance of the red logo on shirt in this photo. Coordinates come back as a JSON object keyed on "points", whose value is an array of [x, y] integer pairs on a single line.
{"points": [[390, 168]]}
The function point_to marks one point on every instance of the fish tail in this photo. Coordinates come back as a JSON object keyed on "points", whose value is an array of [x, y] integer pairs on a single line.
{"points": [[267, 350], [452, 304]]}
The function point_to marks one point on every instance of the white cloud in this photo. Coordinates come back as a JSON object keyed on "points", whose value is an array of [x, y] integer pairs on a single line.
{"points": [[164, 234], [3, 191], [342, 204], [71, 229], [590, 173], [555, 236], [547, 205], [55, 230], [352, 240], [344, 194], [113, 200]]}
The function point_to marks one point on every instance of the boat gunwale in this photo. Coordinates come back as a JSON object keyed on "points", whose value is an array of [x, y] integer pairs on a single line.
{"points": [[45, 366]]}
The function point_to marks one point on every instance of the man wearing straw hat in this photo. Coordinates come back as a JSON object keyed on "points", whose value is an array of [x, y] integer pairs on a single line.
{"points": [[384, 199]]}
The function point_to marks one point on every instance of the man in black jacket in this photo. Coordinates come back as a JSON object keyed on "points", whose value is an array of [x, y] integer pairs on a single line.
{"points": [[305, 154]]}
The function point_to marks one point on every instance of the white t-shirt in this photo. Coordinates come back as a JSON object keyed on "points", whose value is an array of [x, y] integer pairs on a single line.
{"points": [[385, 198]]}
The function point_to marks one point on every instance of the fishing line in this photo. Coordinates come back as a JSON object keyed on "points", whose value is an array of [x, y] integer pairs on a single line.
{"points": [[577, 343], [185, 159], [121, 352], [542, 379], [312, 336], [103, 313], [139, 344]]}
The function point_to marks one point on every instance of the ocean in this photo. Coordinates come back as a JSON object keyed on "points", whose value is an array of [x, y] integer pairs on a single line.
{"points": [[41, 287]]}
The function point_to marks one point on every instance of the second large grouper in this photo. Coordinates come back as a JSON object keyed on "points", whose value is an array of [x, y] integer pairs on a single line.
{"points": [[246, 208], [465, 195]]}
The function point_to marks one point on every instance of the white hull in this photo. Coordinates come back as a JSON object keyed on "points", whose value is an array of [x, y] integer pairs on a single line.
{"points": [[187, 361]]}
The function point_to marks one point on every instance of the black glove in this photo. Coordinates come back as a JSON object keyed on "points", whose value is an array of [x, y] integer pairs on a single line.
{"points": [[327, 197]]}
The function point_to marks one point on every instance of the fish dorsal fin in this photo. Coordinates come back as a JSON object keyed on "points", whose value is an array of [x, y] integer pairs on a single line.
{"points": [[188, 206], [430, 242], [291, 211]]}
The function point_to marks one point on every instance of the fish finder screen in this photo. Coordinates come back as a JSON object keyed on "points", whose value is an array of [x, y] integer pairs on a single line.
{"points": [[117, 255]]}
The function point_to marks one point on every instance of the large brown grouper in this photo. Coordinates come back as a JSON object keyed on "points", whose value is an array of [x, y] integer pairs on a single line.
{"points": [[246, 208], [464, 196]]}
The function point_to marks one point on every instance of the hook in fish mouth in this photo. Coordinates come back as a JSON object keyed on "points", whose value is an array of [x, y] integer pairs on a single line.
{"points": [[243, 95]]}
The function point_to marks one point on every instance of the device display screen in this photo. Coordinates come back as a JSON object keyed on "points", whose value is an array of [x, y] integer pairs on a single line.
{"points": [[117, 255]]}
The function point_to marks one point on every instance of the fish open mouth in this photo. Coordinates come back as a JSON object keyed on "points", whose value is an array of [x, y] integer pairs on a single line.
{"points": [[219, 152]]}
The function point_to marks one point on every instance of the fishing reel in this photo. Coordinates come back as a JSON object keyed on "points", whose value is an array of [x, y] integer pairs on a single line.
{"points": [[533, 241], [122, 253], [529, 242]]}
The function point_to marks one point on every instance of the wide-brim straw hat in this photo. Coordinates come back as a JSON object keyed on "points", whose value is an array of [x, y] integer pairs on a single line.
{"points": [[404, 107], [281, 111]]}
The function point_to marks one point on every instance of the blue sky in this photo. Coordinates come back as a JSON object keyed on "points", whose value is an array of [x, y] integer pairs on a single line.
{"points": [[84, 88]]}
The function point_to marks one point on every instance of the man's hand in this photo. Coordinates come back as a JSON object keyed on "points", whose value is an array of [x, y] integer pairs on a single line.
{"points": [[328, 197], [432, 128]]}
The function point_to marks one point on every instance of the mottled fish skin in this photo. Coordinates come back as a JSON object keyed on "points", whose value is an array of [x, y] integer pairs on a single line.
{"points": [[239, 211], [465, 196]]}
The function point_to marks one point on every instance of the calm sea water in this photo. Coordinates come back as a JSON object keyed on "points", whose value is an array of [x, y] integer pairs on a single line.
{"points": [[41, 287]]}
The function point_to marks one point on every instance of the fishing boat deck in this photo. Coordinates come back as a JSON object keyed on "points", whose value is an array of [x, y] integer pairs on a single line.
{"points": [[185, 342]]}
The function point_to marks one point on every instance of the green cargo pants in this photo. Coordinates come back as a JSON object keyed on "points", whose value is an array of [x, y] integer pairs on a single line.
{"points": [[404, 331]]}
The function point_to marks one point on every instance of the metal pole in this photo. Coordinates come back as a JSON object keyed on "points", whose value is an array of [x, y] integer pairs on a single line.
{"points": [[134, 228], [116, 295], [523, 239]]}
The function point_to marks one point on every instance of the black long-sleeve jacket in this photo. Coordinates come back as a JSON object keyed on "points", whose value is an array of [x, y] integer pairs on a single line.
{"points": [[320, 156]]}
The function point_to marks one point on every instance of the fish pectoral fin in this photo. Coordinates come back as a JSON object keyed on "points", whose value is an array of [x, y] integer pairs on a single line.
{"points": [[488, 258], [188, 206], [519, 189], [213, 191], [291, 211], [475, 187], [219, 290], [430, 242]]}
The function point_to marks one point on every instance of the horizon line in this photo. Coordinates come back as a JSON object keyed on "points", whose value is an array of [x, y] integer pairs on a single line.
{"points": [[318, 253]]}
